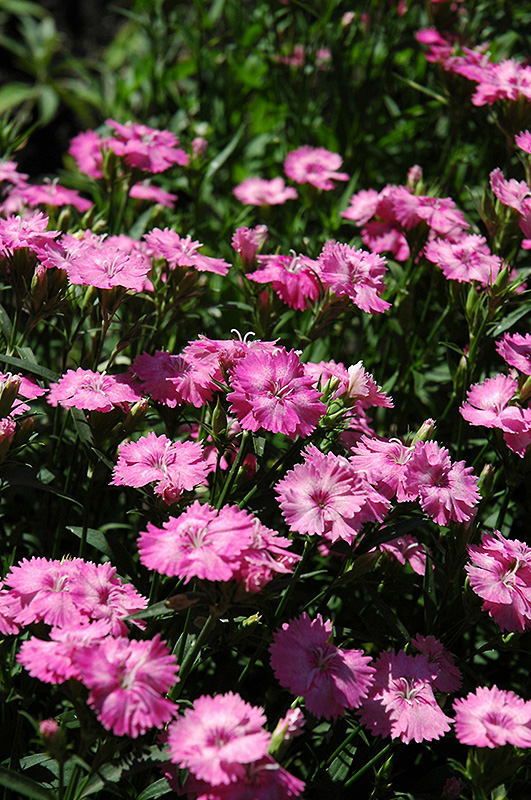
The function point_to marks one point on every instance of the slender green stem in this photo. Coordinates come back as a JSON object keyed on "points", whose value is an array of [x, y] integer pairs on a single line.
{"points": [[368, 765], [190, 658]]}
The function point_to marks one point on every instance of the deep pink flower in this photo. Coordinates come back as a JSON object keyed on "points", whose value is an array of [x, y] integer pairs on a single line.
{"points": [[466, 260], [106, 266], [9, 172], [493, 718], [26, 389], [510, 193], [264, 779], [314, 165], [329, 678], [270, 390], [181, 251], [52, 194], [515, 350], [260, 192], [173, 379], [439, 213], [383, 463], [325, 496], [146, 191], [401, 703], [500, 573], [146, 148], [446, 491], [53, 661], [487, 404], [87, 149], [247, 241], [385, 237], [507, 80], [293, 278], [93, 391], [175, 466], [217, 737], [127, 681], [356, 274], [448, 678], [18, 232], [9, 608], [523, 140]]}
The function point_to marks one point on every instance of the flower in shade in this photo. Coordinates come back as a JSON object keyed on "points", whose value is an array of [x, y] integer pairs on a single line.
{"points": [[523, 140], [93, 391], [500, 573], [264, 779], [127, 682], [355, 274], [448, 678], [314, 165], [408, 549], [329, 678], [515, 350], [493, 718], [181, 251], [270, 390], [217, 737], [401, 703], [260, 192], [293, 278], [325, 496], [173, 379], [146, 148], [175, 467], [510, 193]]}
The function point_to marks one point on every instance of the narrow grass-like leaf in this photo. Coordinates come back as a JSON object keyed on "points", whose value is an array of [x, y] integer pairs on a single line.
{"points": [[20, 783]]}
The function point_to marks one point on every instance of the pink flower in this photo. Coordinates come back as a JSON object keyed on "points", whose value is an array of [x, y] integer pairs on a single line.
{"points": [[493, 718], [146, 148], [515, 350], [448, 678], [260, 192], [87, 149], [260, 780], [175, 466], [401, 703], [466, 260], [9, 172], [106, 266], [523, 140], [93, 391], [271, 391], [446, 491], [247, 241], [439, 213], [53, 661], [17, 233], [487, 404], [127, 681], [293, 278], [146, 191], [507, 80], [383, 463], [314, 165], [52, 194], [500, 573], [329, 678], [217, 737], [355, 274], [353, 383], [407, 548], [325, 496], [173, 379], [182, 252], [510, 193]]}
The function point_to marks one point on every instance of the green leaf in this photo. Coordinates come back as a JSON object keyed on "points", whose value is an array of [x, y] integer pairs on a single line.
{"points": [[16, 93], [23, 785], [156, 789], [29, 366], [227, 151], [509, 320], [95, 538]]}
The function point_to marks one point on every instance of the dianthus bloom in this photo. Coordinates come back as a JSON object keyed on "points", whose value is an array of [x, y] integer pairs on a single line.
{"points": [[217, 737], [466, 260], [314, 165], [146, 148], [446, 491], [52, 194], [93, 391], [383, 463], [325, 496], [500, 573], [127, 681], [181, 251], [264, 779], [293, 278], [329, 678], [515, 350], [493, 718], [146, 191], [173, 379], [448, 678], [401, 703], [355, 274], [174, 466], [270, 390], [260, 192], [247, 241], [487, 404], [18, 232]]}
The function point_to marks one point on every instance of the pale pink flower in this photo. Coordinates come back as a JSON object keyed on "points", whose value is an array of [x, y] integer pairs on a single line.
{"points": [[247, 241], [293, 278], [507, 80], [401, 703], [408, 549], [355, 274], [146, 148], [448, 678], [175, 467], [329, 678], [87, 149], [510, 193], [261, 192], [383, 463], [181, 251], [515, 350], [146, 191], [314, 165], [385, 237], [106, 266], [353, 383], [53, 661], [93, 391], [263, 779], [9, 172], [493, 718], [439, 213], [291, 725], [271, 391], [127, 682], [466, 260], [325, 496], [523, 140], [173, 379], [217, 737], [500, 573], [487, 404], [52, 194], [447, 491], [9, 608], [42, 590]]}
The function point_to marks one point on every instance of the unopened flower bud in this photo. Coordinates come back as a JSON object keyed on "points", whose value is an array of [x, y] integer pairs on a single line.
{"points": [[9, 387], [53, 739], [425, 432]]}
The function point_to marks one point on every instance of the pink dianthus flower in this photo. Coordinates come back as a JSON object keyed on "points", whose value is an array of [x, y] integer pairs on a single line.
{"points": [[293, 278], [448, 678], [515, 350], [487, 404], [146, 148], [181, 251], [264, 779], [51, 194], [261, 192], [355, 274], [247, 241], [173, 379], [106, 266], [329, 678], [314, 165], [523, 140], [144, 190], [466, 260], [87, 148], [383, 463], [408, 549], [510, 193], [493, 718], [93, 391]]}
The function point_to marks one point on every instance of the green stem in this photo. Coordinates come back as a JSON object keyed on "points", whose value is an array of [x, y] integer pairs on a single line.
{"points": [[368, 765], [189, 660], [238, 461]]}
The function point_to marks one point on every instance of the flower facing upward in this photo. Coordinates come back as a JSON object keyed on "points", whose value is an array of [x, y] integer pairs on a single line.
{"points": [[314, 165], [329, 678], [217, 737], [181, 251], [493, 718]]}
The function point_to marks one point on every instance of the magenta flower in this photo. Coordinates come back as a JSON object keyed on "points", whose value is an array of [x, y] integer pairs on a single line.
{"points": [[181, 251], [127, 681], [146, 148], [314, 165], [487, 404], [408, 549], [401, 703], [247, 241], [325, 496], [174, 466], [493, 718], [146, 191], [17, 233], [329, 678], [51, 194], [217, 737], [173, 380], [383, 463], [106, 266], [355, 274], [500, 573], [260, 192], [93, 391], [270, 390], [510, 193], [446, 491], [523, 140], [87, 149], [293, 278], [515, 350]]}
